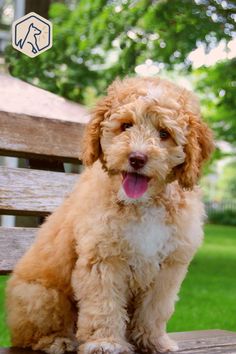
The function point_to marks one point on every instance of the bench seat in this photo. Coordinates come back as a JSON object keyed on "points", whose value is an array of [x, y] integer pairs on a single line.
{"points": [[195, 342]]}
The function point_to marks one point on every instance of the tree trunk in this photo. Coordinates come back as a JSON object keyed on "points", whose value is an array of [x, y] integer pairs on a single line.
{"points": [[41, 7]]}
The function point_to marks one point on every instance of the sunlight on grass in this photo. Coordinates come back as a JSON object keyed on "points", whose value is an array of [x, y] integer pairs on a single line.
{"points": [[207, 297]]}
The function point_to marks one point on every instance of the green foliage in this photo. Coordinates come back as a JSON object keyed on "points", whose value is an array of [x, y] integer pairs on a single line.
{"points": [[218, 86], [100, 39], [224, 191], [222, 217], [227, 182]]}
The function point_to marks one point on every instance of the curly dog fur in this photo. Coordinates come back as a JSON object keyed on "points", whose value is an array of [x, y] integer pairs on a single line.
{"points": [[106, 266]]}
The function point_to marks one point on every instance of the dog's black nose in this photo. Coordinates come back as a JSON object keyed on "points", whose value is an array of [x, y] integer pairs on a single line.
{"points": [[137, 160]]}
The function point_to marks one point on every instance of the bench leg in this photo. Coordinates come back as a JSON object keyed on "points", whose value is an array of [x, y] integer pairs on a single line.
{"points": [[39, 317]]}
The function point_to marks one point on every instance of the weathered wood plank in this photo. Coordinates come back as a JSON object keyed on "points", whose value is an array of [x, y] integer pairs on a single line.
{"points": [[192, 338], [216, 350], [28, 136], [32, 192], [17, 96], [209, 342], [20, 351], [14, 242], [211, 333]]}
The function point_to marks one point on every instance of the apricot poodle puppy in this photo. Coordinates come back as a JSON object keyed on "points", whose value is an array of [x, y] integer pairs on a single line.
{"points": [[104, 271]]}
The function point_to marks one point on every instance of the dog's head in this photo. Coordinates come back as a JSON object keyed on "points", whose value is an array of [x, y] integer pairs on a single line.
{"points": [[150, 132]]}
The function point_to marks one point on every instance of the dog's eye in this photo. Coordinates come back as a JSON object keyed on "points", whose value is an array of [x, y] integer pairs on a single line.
{"points": [[164, 134], [125, 126]]}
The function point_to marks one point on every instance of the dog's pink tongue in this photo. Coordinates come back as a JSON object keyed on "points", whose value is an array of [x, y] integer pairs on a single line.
{"points": [[135, 185]]}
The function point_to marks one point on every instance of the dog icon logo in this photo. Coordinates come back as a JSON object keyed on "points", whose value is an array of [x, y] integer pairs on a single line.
{"points": [[31, 38], [32, 34]]}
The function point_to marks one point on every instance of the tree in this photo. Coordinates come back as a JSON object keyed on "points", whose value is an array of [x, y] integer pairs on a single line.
{"points": [[41, 7], [101, 39], [227, 182], [218, 87]]}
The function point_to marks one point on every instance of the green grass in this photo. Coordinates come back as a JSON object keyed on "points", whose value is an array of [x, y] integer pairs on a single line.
{"points": [[208, 295], [4, 335]]}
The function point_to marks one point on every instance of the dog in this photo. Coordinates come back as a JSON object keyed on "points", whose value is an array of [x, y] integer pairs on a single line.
{"points": [[30, 38], [105, 269]]}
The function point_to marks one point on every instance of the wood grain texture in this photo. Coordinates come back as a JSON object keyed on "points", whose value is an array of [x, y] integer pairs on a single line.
{"points": [[17, 96], [201, 334], [33, 192], [29, 136], [14, 242], [206, 342], [196, 342], [20, 351]]}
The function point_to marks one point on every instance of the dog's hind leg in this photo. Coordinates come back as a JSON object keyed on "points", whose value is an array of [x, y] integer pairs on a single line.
{"points": [[39, 317], [34, 50]]}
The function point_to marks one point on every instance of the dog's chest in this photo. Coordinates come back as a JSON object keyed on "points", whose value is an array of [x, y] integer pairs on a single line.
{"points": [[150, 237]]}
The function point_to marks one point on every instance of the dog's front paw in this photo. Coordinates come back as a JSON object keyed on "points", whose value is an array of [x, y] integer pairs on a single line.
{"points": [[165, 344], [104, 347], [155, 343], [57, 345]]}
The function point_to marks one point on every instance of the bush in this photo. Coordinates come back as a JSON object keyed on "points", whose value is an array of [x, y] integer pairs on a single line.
{"points": [[223, 217], [98, 40]]}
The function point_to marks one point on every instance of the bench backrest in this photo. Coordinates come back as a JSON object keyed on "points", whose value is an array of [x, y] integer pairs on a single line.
{"points": [[43, 140]]}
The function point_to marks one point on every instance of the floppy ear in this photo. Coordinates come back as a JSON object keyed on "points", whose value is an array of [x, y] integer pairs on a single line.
{"points": [[91, 140], [198, 149]]}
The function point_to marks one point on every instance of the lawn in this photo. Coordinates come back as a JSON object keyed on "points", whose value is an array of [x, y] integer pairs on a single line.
{"points": [[208, 295], [4, 336]]}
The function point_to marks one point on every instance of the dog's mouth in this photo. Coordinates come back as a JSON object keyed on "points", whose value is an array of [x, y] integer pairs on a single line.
{"points": [[134, 184]]}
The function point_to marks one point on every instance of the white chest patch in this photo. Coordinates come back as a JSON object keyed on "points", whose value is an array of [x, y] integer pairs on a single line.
{"points": [[151, 237]]}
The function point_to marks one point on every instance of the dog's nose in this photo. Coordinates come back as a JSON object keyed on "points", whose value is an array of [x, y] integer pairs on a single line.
{"points": [[137, 160]]}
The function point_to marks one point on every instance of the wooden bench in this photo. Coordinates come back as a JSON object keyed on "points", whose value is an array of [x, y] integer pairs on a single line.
{"points": [[47, 130]]}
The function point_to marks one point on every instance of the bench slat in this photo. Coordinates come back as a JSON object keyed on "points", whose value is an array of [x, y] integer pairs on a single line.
{"points": [[32, 192], [201, 335], [14, 241], [17, 96], [211, 341], [19, 351], [27, 136], [189, 342]]}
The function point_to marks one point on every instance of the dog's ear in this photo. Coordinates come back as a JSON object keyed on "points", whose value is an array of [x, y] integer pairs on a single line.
{"points": [[91, 140], [197, 150], [199, 144]]}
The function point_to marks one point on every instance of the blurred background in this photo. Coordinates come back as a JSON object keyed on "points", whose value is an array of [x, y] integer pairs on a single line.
{"points": [[192, 42]]}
